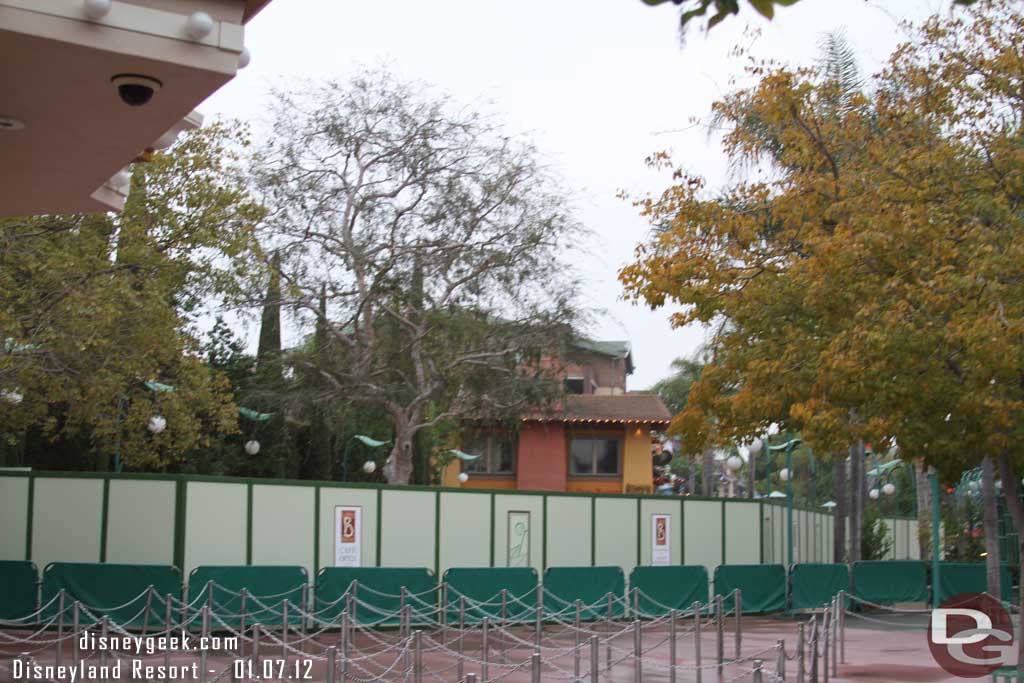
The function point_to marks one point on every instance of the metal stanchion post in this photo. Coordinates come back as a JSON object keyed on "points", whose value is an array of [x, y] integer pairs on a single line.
{"points": [[814, 649], [720, 631], [738, 605], [417, 662], [256, 628], [535, 668], [636, 603], [842, 626], [595, 658], [167, 629], [504, 624], [835, 637], [758, 671], [826, 628], [462, 634], [60, 627], [284, 627], [303, 609], [576, 640], [470, 678], [332, 659], [638, 651], [145, 613], [780, 660], [672, 616], [405, 618], [241, 621], [346, 638], [485, 669], [801, 647], [103, 634], [75, 653], [443, 606], [539, 613], [202, 651], [696, 639], [608, 649]]}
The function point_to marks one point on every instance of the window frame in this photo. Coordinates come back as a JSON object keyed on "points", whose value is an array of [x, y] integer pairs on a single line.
{"points": [[595, 437], [490, 455]]}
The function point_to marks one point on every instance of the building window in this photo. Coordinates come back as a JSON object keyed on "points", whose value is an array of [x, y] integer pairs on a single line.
{"points": [[574, 385], [594, 456], [497, 455]]}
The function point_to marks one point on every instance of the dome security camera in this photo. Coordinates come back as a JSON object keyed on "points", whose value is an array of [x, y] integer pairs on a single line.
{"points": [[135, 90]]}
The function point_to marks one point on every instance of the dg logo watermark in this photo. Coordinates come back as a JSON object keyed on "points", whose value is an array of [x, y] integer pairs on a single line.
{"points": [[971, 635]]}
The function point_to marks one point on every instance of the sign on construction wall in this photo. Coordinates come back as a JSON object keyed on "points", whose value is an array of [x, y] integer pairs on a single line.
{"points": [[661, 544], [348, 522]]}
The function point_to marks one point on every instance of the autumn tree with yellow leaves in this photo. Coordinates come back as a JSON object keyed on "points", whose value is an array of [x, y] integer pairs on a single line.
{"points": [[864, 278]]}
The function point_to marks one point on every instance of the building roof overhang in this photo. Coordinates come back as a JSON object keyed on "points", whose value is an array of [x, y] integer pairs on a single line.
{"points": [[72, 133]]}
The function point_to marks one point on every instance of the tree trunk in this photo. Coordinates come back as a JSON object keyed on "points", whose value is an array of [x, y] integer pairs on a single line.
{"points": [[856, 498], [924, 509], [751, 474], [691, 478], [990, 520], [840, 511], [1013, 504], [707, 472], [398, 468]]}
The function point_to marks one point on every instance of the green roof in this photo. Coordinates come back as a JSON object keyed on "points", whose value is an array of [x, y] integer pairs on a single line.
{"points": [[612, 349]]}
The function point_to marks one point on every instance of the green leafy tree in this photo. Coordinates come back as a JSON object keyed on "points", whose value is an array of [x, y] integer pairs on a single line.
{"points": [[93, 307]]}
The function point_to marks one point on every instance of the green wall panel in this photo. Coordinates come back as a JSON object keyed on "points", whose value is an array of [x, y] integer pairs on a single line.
{"points": [[616, 535], [465, 530], [742, 533], [568, 531], [518, 504], [366, 499], [66, 520], [408, 529], [668, 506], [703, 522], [14, 513], [215, 524], [282, 526], [140, 522]]}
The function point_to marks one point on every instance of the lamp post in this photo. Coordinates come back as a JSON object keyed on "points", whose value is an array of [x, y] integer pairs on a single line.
{"points": [[366, 441], [788, 478]]}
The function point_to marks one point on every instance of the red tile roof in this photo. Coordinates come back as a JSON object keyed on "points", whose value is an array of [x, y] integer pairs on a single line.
{"points": [[615, 408]]}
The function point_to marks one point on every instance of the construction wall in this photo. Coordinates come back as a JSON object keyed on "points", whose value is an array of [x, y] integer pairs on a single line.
{"points": [[192, 520]]}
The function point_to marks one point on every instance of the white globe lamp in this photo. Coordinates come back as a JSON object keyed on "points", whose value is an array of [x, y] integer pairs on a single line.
{"points": [[252, 446], [784, 474], [889, 488], [733, 463], [199, 25], [369, 467], [157, 424], [755, 448], [96, 9], [873, 494], [463, 477]]}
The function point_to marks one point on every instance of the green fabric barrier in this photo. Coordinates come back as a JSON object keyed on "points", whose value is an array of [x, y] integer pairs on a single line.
{"points": [[591, 585], [378, 593], [115, 590], [662, 589], [971, 577], [763, 586], [484, 585], [266, 588], [889, 581], [18, 582], [814, 585]]}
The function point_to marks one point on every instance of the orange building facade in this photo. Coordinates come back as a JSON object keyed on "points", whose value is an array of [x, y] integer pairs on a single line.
{"points": [[599, 440]]}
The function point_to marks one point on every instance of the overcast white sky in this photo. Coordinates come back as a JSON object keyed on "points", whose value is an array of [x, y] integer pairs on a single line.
{"points": [[596, 83]]}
